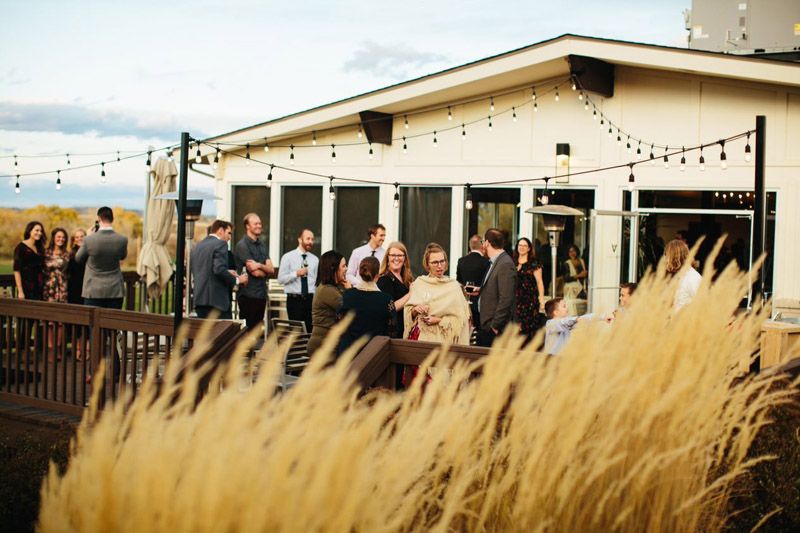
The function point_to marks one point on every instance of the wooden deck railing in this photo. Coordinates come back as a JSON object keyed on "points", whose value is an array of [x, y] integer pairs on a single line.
{"points": [[380, 361], [49, 351]]}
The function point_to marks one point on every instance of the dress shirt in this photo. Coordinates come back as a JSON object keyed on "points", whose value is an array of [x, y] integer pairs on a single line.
{"points": [[558, 331], [492, 261], [291, 262], [355, 260]]}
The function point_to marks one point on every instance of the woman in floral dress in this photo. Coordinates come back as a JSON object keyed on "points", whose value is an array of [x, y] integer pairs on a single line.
{"points": [[530, 289], [56, 260]]}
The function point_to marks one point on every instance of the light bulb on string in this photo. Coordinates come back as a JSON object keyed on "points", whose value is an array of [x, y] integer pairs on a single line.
{"points": [[631, 179], [702, 160], [197, 156], [610, 132], [16, 186], [723, 158], [533, 93], [198, 146], [594, 115], [405, 121], [652, 156], [331, 190], [215, 164], [449, 113], [490, 122], [639, 150], [435, 141], [602, 122], [557, 97], [266, 144], [269, 177], [666, 158], [586, 105], [360, 132], [514, 114], [463, 132], [545, 198], [580, 95], [716, 194], [15, 161], [396, 201], [574, 85], [535, 107], [314, 138], [333, 153], [683, 158], [58, 180], [370, 150], [405, 145], [468, 203], [491, 104], [628, 144], [619, 139], [747, 153], [68, 161], [291, 154], [102, 172], [149, 158], [247, 155]]}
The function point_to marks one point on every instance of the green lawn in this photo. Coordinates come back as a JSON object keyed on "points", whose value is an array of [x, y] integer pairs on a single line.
{"points": [[6, 266]]}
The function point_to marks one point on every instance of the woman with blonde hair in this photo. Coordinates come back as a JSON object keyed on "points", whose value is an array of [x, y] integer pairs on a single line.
{"points": [[437, 309], [395, 280], [675, 255]]}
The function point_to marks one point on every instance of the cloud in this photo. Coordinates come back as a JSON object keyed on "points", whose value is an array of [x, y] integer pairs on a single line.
{"points": [[390, 60], [12, 76], [80, 119]]}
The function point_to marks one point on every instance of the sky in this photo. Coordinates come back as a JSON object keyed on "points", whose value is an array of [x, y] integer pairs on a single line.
{"points": [[96, 77]]}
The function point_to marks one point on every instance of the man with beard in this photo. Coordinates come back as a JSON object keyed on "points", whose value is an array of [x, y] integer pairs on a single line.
{"points": [[298, 275]]}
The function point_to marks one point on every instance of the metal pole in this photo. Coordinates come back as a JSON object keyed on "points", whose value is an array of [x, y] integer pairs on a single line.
{"points": [[553, 247], [180, 269], [760, 204], [143, 299]]}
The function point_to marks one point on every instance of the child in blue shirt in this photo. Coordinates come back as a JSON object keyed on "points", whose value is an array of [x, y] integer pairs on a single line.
{"points": [[559, 326]]}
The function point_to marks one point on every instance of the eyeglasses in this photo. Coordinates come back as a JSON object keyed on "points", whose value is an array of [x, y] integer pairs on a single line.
{"points": [[396, 256], [438, 263]]}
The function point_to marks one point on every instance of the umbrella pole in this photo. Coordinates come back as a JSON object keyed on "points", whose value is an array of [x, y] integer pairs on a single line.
{"points": [[180, 269]]}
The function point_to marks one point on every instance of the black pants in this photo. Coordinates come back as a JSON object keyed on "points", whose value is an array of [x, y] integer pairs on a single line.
{"points": [[204, 310], [485, 337], [298, 307], [252, 311], [109, 303]]}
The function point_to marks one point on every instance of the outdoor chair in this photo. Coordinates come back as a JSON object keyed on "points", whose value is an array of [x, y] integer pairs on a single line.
{"points": [[297, 356]]}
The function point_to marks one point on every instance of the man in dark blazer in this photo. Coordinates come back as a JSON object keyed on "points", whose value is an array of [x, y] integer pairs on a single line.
{"points": [[496, 301], [212, 277], [470, 271], [102, 251]]}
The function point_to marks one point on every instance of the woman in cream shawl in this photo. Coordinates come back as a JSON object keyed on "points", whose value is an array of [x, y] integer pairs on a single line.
{"points": [[436, 303]]}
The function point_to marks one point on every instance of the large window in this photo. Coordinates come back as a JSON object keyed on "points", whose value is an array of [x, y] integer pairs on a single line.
{"points": [[302, 208], [493, 208], [424, 218], [250, 199], [355, 209]]}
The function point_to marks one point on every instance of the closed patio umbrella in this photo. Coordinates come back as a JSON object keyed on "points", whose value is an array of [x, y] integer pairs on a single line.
{"points": [[154, 264]]}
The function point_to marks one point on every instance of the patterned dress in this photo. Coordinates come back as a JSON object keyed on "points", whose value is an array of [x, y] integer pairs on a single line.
{"points": [[55, 277], [527, 300]]}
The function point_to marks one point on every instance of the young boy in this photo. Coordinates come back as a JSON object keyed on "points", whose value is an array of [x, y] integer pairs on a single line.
{"points": [[559, 325], [626, 290]]}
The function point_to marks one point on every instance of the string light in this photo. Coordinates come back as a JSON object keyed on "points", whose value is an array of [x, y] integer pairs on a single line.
{"points": [[449, 113], [291, 154], [314, 138], [15, 161], [102, 172], [702, 160], [514, 114], [610, 132], [586, 105], [215, 165], [683, 158], [602, 122], [463, 132], [266, 144], [360, 133], [468, 202], [557, 97], [396, 201], [628, 144], [118, 153], [68, 162], [574, 85], [533, 93], [619, 138], [535, 107], [652, 156], [405, 121], [723, 158], [747, 154], [269, 177], [170, 156], [580, 94], [197, 156], [331, 190], [594, 115], [405, 145], [491, 104], [435, 142], [149, 157], [58, 180], [370, 150], [666, 158], [333, 153], [16, 187], [247, 155], [545, 198], [631, 179], [490, 122], [638, 150]]}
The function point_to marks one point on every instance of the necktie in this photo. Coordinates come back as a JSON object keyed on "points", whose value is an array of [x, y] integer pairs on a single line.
{"points": [[304, 279], [373, 253]]}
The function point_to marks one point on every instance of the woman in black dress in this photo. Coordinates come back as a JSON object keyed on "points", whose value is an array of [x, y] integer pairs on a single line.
{"points": [[29, 262], [530, 289], [75, 270], [374, 310], [395, 280]]}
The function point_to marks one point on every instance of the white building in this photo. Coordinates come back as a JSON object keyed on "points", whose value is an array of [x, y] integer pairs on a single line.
{"points": [[666, 96]]}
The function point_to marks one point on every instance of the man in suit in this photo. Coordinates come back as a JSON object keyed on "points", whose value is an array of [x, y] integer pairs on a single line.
{"points": [[212, 278], [470, 271], [102, 251], [496, 300]]}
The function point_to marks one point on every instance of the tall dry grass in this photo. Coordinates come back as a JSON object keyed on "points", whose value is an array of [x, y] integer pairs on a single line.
{"points": [[639, 426]]}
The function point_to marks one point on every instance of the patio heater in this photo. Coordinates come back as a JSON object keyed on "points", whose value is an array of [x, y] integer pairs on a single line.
{"points": [[555, 218], [194, 206]]}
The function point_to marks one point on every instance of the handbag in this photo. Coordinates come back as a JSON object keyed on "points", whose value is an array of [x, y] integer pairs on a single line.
{"points": [[413, 335]]}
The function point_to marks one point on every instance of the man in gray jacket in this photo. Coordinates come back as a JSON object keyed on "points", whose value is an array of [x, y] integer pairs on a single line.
{"points": [[102, 252], [496, 300], [212, 278]]}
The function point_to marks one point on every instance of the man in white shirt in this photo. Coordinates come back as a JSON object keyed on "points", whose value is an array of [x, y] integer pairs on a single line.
{"points": [[376, 235], [298, 275]]}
